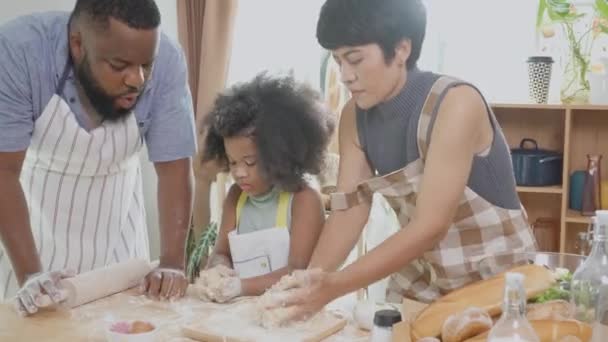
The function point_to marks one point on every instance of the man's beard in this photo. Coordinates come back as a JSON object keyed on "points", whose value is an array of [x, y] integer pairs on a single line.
{"points": [[102, 102]]}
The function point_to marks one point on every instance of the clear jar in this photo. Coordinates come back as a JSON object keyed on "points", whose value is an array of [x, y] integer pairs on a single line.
{"points": [[513, 325], [589, 276]]}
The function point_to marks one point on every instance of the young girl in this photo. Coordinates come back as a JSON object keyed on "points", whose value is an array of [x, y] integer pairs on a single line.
{"points": [[269, 133]]}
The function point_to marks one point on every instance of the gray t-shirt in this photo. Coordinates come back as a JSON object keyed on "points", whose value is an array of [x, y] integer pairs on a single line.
{"points": [[388, 135], [33, 54]]}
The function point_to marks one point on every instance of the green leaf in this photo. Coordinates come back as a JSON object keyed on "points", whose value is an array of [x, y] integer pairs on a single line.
{"points": [[200, 249], [601, 7]]}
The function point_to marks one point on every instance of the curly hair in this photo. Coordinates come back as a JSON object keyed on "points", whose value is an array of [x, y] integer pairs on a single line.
{"points": [[286, 119]]}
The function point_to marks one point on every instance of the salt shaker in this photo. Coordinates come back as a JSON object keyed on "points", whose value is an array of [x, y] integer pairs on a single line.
{"points": [[383, 325]]}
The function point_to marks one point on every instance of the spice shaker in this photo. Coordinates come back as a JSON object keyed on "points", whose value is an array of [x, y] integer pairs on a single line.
{"points": [[383, 325]]}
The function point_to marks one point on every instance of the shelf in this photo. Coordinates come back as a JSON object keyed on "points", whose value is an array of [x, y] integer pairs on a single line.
{"points": [[548, 106], [557, 189], [527, 106], [573, 216]]}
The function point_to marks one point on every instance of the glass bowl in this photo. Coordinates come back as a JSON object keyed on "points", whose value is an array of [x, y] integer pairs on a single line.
{"points": [[495, 264]]}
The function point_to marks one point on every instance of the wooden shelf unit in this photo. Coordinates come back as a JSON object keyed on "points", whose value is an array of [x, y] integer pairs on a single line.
{"points": [[574, 130]]}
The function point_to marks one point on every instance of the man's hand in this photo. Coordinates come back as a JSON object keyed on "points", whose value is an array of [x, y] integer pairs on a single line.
{"points": [[165, 284], [29, 298]]}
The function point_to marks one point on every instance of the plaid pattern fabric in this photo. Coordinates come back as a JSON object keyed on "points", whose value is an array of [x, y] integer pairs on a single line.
{"points": [[479, 228]]}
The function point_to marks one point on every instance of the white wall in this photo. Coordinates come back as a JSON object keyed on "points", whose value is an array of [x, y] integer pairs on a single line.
{"points": [[277, 36], [168, 9]]}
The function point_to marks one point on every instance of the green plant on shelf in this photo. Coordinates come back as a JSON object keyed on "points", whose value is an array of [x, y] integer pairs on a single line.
{"points": [[580, 29]]}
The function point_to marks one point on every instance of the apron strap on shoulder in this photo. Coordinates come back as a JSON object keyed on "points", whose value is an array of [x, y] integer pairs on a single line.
{"points": [[239, 206], [426, 114], [282, 209]]}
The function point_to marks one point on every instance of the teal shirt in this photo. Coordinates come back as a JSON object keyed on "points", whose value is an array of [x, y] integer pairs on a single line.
{"points": [[260, 212]]}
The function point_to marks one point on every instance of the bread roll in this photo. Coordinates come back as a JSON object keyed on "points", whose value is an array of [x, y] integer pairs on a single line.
{"points": [[555, 309], [485, 294], [553, 330], [469, 323], [570, 338], [428, 339]]}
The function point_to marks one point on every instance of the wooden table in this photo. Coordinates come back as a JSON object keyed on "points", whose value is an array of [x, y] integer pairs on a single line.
{"points": [[88, 322]]}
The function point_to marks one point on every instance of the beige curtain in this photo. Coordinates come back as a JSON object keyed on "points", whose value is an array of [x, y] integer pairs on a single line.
{"points": [[205, 30]]}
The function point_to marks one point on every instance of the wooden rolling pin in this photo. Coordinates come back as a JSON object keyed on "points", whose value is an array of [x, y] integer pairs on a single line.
{"points": [[102, 282]]}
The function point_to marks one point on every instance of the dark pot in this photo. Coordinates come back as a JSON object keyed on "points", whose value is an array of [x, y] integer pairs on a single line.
{"points": [[536, 167]]}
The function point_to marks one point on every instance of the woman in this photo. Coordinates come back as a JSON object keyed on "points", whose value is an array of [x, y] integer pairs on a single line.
{"points": [[430, 144]]}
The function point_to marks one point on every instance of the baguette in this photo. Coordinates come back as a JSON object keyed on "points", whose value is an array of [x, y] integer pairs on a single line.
{"points": [[552, 330], [485, 294]]}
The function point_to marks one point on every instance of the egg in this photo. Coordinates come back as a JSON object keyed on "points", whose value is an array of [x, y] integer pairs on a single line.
{"points": [[363, 314], [364, 311], [548, 31]]}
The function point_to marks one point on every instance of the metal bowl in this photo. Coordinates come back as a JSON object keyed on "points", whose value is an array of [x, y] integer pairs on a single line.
{"points": [[494, 264]]}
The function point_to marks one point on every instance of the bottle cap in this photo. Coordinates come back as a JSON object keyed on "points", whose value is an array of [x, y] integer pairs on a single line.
{"points": [[514, 279], [387, 318]]}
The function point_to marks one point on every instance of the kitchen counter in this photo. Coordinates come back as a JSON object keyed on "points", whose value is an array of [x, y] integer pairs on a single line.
{"points": [[88, 322]]}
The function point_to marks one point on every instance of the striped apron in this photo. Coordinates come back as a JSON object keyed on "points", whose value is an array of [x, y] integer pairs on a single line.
{"points": [[83, 191], [479, 228]]}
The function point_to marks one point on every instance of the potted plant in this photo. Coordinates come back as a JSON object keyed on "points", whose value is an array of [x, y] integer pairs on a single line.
{"points": [[581, 23]]}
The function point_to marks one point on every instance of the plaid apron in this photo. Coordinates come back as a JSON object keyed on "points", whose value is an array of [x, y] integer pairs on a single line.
{"points": [[479, 228]]}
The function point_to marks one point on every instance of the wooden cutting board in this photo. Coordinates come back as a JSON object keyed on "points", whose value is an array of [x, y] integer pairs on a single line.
{"points": [[409, 310], [88, 322], [244, 331]]}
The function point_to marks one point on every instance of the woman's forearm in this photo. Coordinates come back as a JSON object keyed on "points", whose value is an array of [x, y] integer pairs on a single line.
{"points": [[387, 258]]}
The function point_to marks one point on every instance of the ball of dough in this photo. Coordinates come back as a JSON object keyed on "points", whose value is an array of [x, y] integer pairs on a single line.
{"points": [[466, 324]]}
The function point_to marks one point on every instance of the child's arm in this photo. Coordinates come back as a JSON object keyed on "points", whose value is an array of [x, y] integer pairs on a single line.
{"points": [[306, 223], [221, 251]]}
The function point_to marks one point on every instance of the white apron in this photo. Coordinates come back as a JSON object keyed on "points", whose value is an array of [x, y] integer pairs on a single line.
{"points": [[84, 193], [263, 251]]}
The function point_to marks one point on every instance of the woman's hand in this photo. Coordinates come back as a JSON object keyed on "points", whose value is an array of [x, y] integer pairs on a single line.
{"points": [[302, 294]]}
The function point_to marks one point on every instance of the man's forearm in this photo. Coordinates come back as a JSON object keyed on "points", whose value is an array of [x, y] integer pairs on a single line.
{"points": [[15, 231], [175, 190]]}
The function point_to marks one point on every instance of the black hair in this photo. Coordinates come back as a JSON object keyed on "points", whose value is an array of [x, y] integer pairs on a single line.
{"points": [[384, 22], [137, 14], [286, 119]]}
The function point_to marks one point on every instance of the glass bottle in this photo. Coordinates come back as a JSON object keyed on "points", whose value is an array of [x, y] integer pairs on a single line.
{"points": [[513, 325], [592, 188], [600, 328], [588, 277]]}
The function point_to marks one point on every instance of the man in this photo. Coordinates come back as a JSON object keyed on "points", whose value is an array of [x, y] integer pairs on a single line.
{"points": [[79, 95]]}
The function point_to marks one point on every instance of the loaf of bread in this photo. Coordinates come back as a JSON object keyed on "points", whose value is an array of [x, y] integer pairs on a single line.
{"points": [[485, 294], [555, 309], [466, 324], [551, 330]]}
